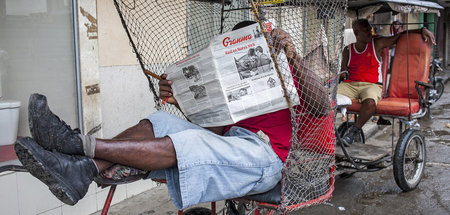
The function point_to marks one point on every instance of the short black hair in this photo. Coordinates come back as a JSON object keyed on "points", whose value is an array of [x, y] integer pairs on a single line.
{"points": [[358, 22], [243, 24]]}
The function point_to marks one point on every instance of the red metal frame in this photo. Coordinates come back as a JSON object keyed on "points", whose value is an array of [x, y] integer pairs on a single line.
{"points": [[109, 199], [113, 189]]}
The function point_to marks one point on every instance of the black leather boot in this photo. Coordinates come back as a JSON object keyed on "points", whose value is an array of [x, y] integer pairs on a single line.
{"points": [[67, 176], [350, 136], [49, 131]]}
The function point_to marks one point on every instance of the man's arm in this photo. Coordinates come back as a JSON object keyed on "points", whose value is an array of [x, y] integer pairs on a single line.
{"points": [[344, 63], [312, 91], [386, 42]]}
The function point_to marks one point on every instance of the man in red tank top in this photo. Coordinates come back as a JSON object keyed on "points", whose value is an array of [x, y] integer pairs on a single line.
{"points": [[363, 63]]}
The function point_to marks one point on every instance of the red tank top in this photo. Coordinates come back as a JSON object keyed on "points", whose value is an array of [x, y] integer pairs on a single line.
{"points": [[364, 66]]}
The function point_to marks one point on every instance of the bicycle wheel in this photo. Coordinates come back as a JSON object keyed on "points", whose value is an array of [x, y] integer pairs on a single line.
{"points": [[439, 89], [409, 159], [197, 211]]}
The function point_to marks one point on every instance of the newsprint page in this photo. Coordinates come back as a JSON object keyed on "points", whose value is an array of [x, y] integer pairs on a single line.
{"points": [[231, 79]]}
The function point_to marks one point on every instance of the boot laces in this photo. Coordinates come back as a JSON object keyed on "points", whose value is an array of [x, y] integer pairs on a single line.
{"points": [[64, 128]]}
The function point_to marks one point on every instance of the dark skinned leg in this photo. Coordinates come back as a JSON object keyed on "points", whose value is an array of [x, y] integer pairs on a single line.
{"points": [[368, 108], [141, 130], [145, 154]]}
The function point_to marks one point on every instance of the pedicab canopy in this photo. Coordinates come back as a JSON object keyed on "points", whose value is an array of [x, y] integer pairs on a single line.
{"points": [[363, 8], [164, 32]]}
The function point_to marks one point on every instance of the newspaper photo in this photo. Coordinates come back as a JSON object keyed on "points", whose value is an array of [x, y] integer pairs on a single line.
{"points": [[232, 79]]}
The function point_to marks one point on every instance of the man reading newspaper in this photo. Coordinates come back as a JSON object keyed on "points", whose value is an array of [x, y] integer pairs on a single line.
{"points": [[231, 79], [199, 164]]}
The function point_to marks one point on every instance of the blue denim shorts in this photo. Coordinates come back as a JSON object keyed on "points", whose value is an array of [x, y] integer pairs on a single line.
{"points": [[211, 167]]}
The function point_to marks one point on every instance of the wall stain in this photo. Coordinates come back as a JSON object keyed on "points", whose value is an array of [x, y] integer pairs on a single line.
{"points": [[95, 129], [92, 89], [92, 30]]}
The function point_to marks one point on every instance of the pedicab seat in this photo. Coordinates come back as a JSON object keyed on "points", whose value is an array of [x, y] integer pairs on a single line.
{"points": [[412, 50], [272, 196], [390, 106]]}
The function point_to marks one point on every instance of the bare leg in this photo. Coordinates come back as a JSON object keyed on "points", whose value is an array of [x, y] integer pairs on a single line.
{"points": [[367, 110], [145, 154], [143, 129]]}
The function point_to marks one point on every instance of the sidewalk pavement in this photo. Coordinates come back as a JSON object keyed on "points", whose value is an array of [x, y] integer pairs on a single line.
{"points": [[155, 201]]}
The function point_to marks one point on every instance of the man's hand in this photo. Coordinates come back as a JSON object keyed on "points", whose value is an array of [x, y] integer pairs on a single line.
{"points": [[282, 41], [428, 36], [165, 90], [313, 93], [343, 76]]}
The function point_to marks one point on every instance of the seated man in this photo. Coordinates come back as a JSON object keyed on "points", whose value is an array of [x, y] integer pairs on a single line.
{"points": [[199, 164], [362, 61]]}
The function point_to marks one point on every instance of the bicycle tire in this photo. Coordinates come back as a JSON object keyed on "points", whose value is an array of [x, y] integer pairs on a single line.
{"points": [[439, 89], [197, 211], [402, 157]]}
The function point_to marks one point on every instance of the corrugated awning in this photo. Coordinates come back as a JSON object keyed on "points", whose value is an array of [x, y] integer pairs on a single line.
{"points": [[365, 7]]}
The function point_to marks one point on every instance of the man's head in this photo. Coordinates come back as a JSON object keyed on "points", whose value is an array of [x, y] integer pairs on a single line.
{"points": [[251, 52], [397, 24], [243, 24], [397, 27], [259, 50], [362, 30], [243, 91]]}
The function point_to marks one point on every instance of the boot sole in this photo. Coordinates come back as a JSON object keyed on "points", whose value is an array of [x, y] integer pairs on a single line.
{"points": [[31, 161]]}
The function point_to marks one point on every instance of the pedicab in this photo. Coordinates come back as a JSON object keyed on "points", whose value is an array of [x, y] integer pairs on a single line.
{"points": [[406, 101], [316, 28]]}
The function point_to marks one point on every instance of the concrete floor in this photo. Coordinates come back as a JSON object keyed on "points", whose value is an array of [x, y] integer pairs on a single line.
{"points": [[363, 193]]}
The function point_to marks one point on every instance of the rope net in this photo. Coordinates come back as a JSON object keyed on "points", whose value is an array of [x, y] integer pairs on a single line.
{"points": [[164, 32]]}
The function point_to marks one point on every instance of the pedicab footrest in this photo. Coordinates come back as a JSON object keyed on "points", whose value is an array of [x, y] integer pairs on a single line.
{"points": [[365, 152], [104, 182]]}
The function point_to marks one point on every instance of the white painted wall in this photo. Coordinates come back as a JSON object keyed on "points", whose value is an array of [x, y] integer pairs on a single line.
{"points": [[22, 194], [125, 98]]}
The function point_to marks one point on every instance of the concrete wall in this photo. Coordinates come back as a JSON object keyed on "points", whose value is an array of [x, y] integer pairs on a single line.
{"points": [[125, 96], [90, 79]]}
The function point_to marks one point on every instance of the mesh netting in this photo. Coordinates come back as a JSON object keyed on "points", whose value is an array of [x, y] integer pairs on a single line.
{"points": [[165, 31]]}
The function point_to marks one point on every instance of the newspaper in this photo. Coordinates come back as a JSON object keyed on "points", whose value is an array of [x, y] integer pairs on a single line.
{"points": [[232, 79]]}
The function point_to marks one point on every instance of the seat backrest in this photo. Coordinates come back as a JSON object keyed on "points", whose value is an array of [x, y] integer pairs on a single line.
{"points": [[415, 51]]}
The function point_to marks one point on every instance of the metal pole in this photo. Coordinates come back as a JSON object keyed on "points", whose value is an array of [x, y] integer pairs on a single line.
{"points": [[109, 199], [76, 45], [188, 26]]}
